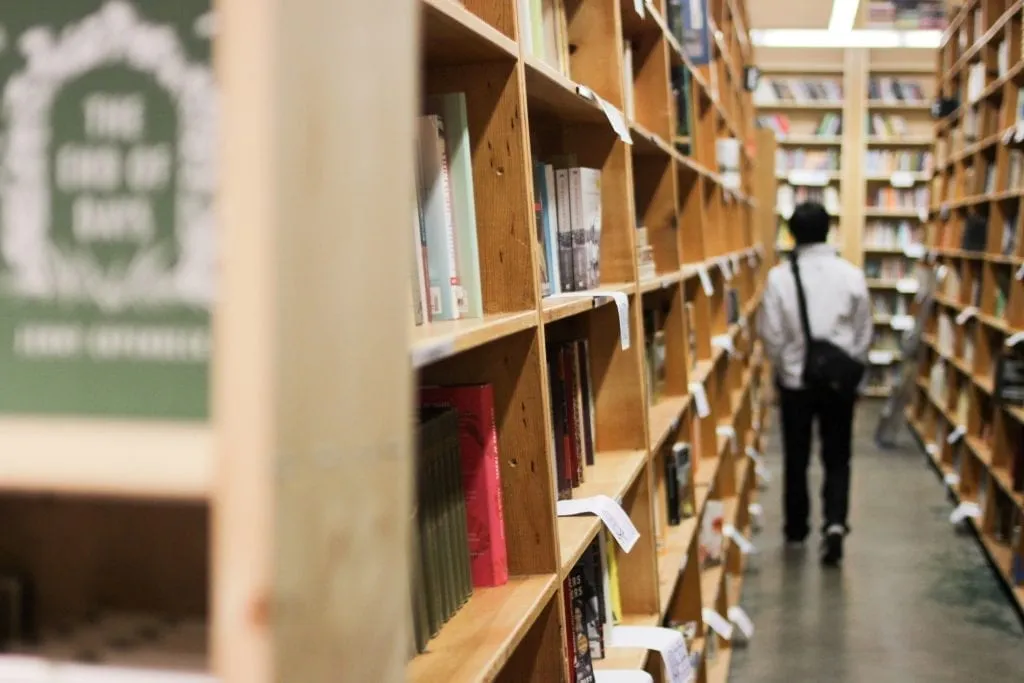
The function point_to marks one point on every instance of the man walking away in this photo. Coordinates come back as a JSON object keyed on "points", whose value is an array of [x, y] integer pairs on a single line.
{"points": [[829, 305]]}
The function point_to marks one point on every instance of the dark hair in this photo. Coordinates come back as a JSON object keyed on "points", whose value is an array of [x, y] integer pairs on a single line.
{"points": [[809, 223]]}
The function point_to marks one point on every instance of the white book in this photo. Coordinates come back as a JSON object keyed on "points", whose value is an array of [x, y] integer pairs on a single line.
{"points": [[627, 80], [580, 249], [590, 215], [565, 262], [551, 229], [435, 195]]}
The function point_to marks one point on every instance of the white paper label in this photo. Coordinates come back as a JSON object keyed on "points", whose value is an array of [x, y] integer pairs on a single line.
{"points": [[760, 466], [434, 351], [1019, 275], [729, 432], [700, 398], [1008, 135], [705, 280], [811, 178], [1014, 339], [752, 259], [952, 479], [966, 315], [739, 617], [669, 642], [724, 342], [756, 510], [611, 513], [932, 449], [963, 511], [717, 622], [736, 264], [940, 272], [913, 250], [902, 179], [741, 541], [956, 435], [617, 121], [586, 93], [902, 322], [907, 285], [759, 249], [881, 357], [622, 676], [1018, 131], [682, 563], [726, 266], [638, 5], [922, 213]]}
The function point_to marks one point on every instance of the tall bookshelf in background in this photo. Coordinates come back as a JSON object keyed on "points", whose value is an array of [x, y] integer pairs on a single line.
{"points": [[651, 400], [974, 249], [867, 156]]}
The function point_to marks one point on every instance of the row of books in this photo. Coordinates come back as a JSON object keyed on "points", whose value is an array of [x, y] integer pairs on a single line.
{"points": [[545, 31], [683, 97], [654, 341], [798, 90], [645, 264], [125, 647], [788, 197], [880, 161], [922, 15], [892, 198], [889, 303], [459, 524], [831, 124], [895, 90], [888, 126], [446, 258], [886, 267], [889, 234], [573, 414], [567, 202], [806, 159], [593, 606]]}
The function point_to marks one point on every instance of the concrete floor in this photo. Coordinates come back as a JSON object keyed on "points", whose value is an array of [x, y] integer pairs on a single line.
{"points": [[914, 600]]}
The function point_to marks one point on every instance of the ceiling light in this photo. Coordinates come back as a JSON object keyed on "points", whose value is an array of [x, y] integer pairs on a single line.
{"points": [[823, 38], [844, 12]]}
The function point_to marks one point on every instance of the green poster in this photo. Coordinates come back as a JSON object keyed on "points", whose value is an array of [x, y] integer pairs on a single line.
{"points": [[107, 178]]}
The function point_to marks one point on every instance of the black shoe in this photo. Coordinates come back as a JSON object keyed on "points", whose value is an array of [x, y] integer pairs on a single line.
{"points": [[832, 549]]}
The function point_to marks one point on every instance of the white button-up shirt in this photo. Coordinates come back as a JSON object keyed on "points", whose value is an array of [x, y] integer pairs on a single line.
{"points": [[838, 307]]}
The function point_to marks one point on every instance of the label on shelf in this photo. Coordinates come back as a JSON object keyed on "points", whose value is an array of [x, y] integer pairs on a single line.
{"points": [[951, 479], [717, 622], [965, 510], [913, 250], [682, 563], [756, 510], [724, 342], [585, 92], [726, 266], [667, 641], [922, 213], [902, 179], [932, 449], [617, 121], [741, 541], [901, 322], [761, 468], [956, 435], [966, 315], [907, 285], [437, 349], [700, 398], [809, 178], [611, 513], [739, 617], [752, 259], [1018, 131], [1019, 275], [705, 280], [638, 5], [940, 272], [729, 432], [622, 676], [736, 263], [881, 357], [1014, 339]]}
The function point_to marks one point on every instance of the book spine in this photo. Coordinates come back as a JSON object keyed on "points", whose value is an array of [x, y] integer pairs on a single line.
{"points": [[570, 633], [607, 609], [581, 652], [671, 489], [539, 214], [580, 248], [421, 311], [590, 181], [459, 523], [575, 464], [583, 350], [551, 230], [594, 614], [440, 228], [428, 525], [565, 260], [418, 591], [560, 424]]}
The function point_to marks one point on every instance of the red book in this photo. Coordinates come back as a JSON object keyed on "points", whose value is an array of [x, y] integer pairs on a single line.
{"points": [[481, 477]]}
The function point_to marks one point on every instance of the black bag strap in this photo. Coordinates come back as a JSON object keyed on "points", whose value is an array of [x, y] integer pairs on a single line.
{"points": [[804, 319]]}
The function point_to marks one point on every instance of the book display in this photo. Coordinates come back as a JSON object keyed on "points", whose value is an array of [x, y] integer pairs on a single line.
{"points": [[872, 174], [966, 406]]}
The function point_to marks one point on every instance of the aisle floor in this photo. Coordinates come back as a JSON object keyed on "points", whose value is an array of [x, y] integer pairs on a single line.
{"points": [[914, 600]]}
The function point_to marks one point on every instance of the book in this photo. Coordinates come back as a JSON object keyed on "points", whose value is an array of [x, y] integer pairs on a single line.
{"points": [[614, 597], [570, 634], [696, 37], [690, 333], [446, 297], [589, 411], [590, 206], [540, 210], [672, 506], [582, 661], [580, 246], [594, 616], [421, 311], [710, 548], [481, 477], [560, 423], [575, 409], [451, 107], [565, 235], [732, 307]]}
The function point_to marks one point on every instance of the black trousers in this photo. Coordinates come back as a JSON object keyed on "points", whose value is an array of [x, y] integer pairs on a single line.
{"points": [[834, 415]]}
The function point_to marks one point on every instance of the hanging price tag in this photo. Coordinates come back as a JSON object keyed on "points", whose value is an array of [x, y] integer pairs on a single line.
{"points": [[600, 296], [752, 259], [901, 322], [760, 466], [717, 622], [741, 541], [913, 250], [963, 511], [736, 263], [724, 342], [1014, 339], [902, 179], [907, 285], [700, 398], [726, 266], [611, 513], [622, 676], [617, 121], [808, 178], [1019, 275], [729, 432], [952, 479], [880, 357], [705, 280], [638, 5], [956, 435], [667, 641], [586, 93], [941, 272], [932, 449], [738, 616], [966, 315]]}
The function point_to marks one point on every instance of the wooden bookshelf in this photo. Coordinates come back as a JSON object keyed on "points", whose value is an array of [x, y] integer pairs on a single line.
{"points": [[975, 269]]}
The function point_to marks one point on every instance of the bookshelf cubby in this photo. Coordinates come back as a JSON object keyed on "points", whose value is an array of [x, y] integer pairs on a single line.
{"points": [[867, 157], [974, 253]]}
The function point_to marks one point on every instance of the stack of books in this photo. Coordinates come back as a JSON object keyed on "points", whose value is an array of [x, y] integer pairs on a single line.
{"points": [[567, 202]]}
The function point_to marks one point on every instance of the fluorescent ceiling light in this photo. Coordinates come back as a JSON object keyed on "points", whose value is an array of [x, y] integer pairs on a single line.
{"points": [[844, 12], [786, 37]]}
